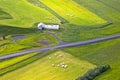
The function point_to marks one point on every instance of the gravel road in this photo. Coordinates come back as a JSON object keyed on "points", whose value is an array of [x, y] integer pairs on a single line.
{"points": [[72, 44]]}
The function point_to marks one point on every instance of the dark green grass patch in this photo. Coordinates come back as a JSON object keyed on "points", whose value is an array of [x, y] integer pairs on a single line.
{"points": [[10, 30], [111, 3], [100, 54], [72, 33], [106, 12]]}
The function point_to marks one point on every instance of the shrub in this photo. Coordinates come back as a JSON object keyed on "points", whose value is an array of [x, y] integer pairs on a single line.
{"points": [[91, 74]]}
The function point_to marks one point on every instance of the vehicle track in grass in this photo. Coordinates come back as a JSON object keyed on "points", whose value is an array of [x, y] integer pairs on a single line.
{"points": [[72, 44]]}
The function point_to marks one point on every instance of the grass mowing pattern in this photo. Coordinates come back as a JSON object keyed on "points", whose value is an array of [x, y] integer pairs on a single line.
{"points": [[106, 12], [74, 13], [22, 63], [7, 63], [73, 33], [40, 4], [25, 14], [42, 69], [112, 4]]}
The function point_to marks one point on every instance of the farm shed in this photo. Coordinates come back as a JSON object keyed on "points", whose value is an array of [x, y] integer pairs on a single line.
{"points": [[43, 26]]}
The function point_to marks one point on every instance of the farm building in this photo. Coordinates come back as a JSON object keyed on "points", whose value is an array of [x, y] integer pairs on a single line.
{"points": [[42, 26]]}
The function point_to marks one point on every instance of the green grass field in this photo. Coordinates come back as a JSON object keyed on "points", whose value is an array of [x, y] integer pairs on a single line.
{"points": [[24, 14], [106, 12], [74, 13], [43, 69], [101, 54], [77, 33], [82, 20]]}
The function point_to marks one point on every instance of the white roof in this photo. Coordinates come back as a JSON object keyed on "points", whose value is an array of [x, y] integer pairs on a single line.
{"points": [[42, 25], [56, 27]]}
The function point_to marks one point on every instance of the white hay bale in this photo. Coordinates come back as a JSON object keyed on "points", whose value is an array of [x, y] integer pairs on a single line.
{"points": [[53, 65], [62, 66], [58, 65], [65, 66]]}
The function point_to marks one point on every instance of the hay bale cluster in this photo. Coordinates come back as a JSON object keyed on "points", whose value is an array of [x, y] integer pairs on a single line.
{"points": [[59, 65]]}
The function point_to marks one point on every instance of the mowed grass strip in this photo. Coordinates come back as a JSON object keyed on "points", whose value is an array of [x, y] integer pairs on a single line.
{"points": [[43, 69], [111, 3], [24, 13], [39, 4], [73, 12], [9, 62], [105, 11]]}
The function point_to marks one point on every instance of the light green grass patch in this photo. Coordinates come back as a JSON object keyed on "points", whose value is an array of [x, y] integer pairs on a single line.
{"points": [[73, 12], [7, 63], [43, 69], [24, 14]]}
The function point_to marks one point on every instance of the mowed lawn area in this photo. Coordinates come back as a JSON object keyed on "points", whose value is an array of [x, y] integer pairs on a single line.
{"points": [[73, 12], [9, 62], [108, 10], [45, 70], [24, 14]]}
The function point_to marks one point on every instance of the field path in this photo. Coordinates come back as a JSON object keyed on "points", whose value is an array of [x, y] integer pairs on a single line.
{"points": [[72, 44]]}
